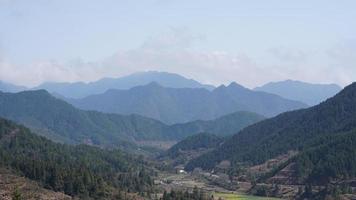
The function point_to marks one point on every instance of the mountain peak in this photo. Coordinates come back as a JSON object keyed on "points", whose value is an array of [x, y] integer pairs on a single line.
{"points": [[235, 85], [153, 84], [232, 86]]}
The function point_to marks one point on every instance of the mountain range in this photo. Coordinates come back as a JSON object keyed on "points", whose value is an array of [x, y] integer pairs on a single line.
{"points": [[221, 130], [322, 135], [60, 121], [181, 105], [80, 89], [308, 93]]}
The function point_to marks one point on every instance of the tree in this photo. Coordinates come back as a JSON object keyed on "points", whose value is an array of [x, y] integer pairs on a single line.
{"points": [[16, 195]]}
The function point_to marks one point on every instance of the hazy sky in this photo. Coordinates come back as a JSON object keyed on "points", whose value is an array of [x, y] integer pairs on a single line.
{"points": [[250, 42]]}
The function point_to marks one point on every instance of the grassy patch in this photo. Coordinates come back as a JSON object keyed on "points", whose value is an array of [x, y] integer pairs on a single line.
{"points": [[229, 196]]}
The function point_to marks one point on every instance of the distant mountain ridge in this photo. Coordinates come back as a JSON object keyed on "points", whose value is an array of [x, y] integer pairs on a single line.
{"points": [[60, 121], [308, 93], [8, 87], [80, 89], [180, 105]]}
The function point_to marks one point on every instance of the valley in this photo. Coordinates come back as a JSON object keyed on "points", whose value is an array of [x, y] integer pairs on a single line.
{"points": [[206, 184], [177, 100], [51, 148]]}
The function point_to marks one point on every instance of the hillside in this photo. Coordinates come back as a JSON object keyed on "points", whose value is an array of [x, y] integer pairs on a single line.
{"points": [[222, 126], [195, 142], [80, 89], [60, 121], [288, 131], [172, 105], [330, 158], [82, 171], [12, 185], [308, 93]]}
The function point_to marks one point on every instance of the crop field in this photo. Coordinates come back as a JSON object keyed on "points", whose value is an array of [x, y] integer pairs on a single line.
{"points": [[231, 196]]}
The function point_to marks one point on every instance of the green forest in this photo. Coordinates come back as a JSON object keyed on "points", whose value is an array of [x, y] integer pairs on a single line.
{"points": [[82, 170]]}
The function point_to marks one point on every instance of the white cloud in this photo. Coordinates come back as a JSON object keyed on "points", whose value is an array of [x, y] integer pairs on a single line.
{"points": [[38, 72], [285, 54], [173, 39], [174, 52], [344, 53]]}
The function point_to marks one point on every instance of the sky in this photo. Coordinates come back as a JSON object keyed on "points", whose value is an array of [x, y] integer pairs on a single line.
{"points": [[250, 42]]}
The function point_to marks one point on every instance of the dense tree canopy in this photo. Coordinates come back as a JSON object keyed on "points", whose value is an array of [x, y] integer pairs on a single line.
{"points": [[75, 170], [298, 130], [195, 142]]}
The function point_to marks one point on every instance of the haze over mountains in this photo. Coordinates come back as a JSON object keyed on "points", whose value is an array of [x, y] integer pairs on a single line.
{"points": [[8, 87], [317, 143], [307, 93], [180, 105], [177, 100], [80, 89]]}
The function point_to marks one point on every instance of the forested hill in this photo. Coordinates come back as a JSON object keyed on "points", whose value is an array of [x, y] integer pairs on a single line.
{"points": [[222, 126], [82, 171], [330, 158], [60, 121], [288, 131], [182, 105], [195, 142]]}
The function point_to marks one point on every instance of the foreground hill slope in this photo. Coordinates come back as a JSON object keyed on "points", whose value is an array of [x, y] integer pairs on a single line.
{"points": [[13, 186], [172, 105], [80, 89], [288, 131], [308, 93], [330, 158], [83, 171]]}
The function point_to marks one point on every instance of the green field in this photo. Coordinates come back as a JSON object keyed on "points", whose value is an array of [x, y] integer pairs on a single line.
{"points": [[227, 196]]}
